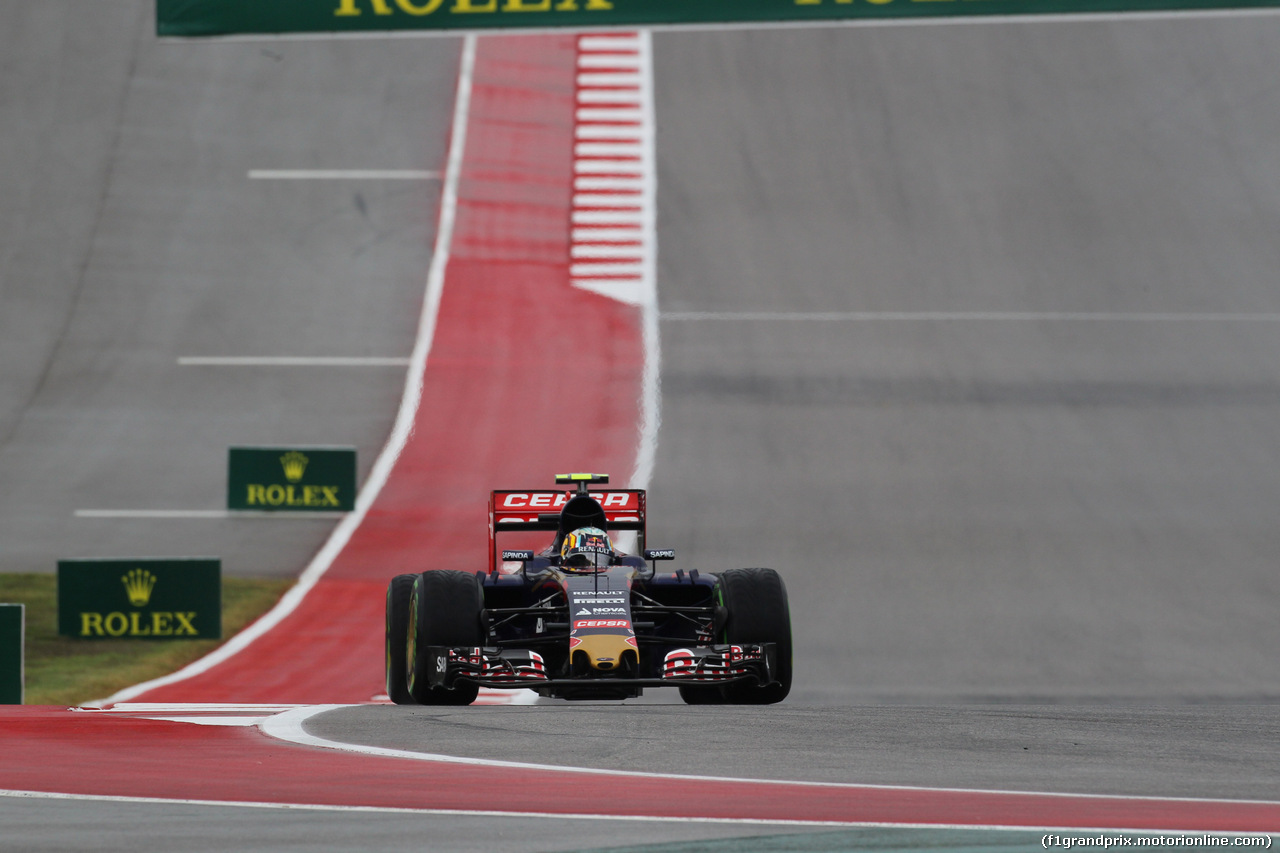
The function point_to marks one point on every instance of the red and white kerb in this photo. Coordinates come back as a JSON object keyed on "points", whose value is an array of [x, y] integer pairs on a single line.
{"points": [[611, 251]]}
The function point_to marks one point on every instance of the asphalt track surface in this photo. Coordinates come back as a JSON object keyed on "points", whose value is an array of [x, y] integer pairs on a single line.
{"points": [[1066, 510], [981, 509], [1168, 752]]}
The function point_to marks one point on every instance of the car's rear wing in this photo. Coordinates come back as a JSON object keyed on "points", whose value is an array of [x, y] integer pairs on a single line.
{"points": [[539, 510]]}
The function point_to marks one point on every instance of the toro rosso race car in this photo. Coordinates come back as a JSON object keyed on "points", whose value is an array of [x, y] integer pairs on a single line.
{"points": [[580, 619]]}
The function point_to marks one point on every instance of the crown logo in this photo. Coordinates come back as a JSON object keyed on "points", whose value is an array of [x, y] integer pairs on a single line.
{"points": [[139, 583], [295, 464]]}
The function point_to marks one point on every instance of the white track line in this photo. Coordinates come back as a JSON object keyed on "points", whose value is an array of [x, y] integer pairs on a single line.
{"points": [[290, 361], [342, 175], [196, 713], [210, 720], [975, 316], [651, 397], [153, 513], [127, 708], [290, 726], [404, 418], [214, 514], [491, 813], [595, 816]]}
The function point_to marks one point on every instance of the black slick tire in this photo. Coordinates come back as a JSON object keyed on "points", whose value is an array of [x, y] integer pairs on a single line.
{"points": [[701, 695], [444, 610], [756, 600], [399, 591]]}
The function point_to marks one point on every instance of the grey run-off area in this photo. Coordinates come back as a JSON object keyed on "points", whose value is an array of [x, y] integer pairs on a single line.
{"points": [[133, 235], [965, 511], [974, 507]]}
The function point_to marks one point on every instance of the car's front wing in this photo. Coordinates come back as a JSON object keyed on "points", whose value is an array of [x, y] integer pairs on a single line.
{"points": [[522, 668]]}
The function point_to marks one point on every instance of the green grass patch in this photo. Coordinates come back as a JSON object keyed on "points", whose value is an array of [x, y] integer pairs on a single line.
{"points": [[70, 671]]}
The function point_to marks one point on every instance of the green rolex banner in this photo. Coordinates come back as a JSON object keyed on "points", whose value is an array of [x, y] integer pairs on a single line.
{"points": [[291, 479], [166, 599], [12, 640], [228, 17]]}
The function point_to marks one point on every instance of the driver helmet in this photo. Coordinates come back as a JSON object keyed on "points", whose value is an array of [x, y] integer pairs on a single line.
{"points": [[586, 549]]}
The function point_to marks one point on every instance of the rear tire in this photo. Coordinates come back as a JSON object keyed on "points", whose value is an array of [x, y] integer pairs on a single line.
{"points": [[399, 591], [444, 610], [758, 613]]}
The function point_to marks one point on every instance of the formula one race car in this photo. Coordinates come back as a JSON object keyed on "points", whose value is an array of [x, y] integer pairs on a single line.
{"points": [[580, 619]]}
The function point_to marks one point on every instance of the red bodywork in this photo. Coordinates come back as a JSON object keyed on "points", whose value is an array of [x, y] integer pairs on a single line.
{"points": [[538, 510]]}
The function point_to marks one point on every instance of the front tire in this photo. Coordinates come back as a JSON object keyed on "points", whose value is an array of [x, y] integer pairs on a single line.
{"points": [[399, 591], [444, 610], [697, 694], [756, 600]]}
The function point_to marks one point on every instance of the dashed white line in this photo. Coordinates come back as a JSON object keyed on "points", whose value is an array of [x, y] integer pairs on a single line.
{"points": [[606, 235], [608, 217], [607, 250], [610, 60], [625, 132], [608, 149], [291, 361], [342, 175], [606, 200], [630, 114], [620, 79], [214, 514], [622, 41], [608, 96], [631, 185], [152, 513], [607, 167], [593, 269]]}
